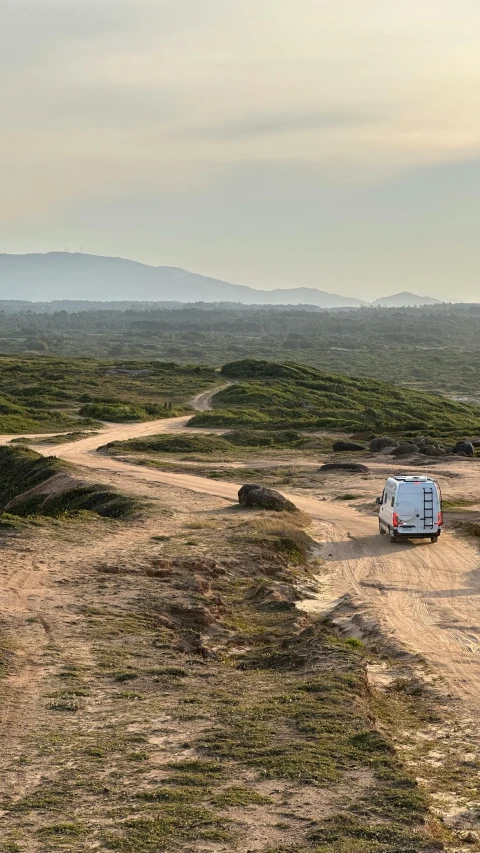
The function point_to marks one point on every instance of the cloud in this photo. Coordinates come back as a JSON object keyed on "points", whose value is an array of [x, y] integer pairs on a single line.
{"points": [[255, 125]]}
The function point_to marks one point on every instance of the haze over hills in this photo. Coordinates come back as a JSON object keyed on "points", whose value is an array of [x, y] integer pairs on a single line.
{"points": [[405, 299], [61, 275], [73, 279]]}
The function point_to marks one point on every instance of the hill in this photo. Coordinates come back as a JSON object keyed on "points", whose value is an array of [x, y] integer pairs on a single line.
{"points": [[279, 396], [405, 299], [43, 394], [61, 275]]}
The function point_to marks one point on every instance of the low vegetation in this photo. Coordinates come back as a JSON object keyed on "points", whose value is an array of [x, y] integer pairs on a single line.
{"points": [[283, 396], [431, 347], [224, 717], [24, 488], [213, 444], [45, 394]]}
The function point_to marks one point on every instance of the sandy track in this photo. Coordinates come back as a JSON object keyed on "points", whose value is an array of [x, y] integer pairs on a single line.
{"points": [[427, 597]]}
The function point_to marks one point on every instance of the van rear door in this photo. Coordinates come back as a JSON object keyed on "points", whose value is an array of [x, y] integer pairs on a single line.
{"points": [[407, 507], [429, 509]]}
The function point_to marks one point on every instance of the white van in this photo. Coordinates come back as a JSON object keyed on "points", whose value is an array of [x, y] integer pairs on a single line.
{"points": [[411, 508]]}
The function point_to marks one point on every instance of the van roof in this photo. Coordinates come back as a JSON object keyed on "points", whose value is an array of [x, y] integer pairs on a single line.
{"points": [[411, 478]]}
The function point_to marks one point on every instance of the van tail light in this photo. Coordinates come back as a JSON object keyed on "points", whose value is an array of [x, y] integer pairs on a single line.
{"points": [[395, 519], [440, 519]]}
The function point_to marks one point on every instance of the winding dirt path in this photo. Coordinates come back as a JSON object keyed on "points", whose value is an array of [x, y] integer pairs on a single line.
{"points": [[426, 597]]}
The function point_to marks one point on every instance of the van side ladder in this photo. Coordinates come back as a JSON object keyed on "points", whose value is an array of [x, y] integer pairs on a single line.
{"points": [[428, 508]]}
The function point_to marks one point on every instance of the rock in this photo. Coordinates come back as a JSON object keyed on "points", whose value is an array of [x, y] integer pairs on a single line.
{"points": [[252, 495], [469, 837], [475, 442], [345, 466], [405, 448], [432, 450], [465, 447], [340, 446], [378, 444]]}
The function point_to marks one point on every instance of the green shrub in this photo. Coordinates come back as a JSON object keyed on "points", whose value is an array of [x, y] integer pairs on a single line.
{"points": [[171, 444]]}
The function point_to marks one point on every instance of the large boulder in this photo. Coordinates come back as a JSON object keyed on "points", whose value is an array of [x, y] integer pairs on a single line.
{"points": [[340, 446], [405, 448], [378, 444], [252, 495], [465, 447], [475, 442], [345, 466]]}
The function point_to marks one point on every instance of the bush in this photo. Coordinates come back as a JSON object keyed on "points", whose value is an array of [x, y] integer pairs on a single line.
{"points": [[114, 412], [171, 444]]}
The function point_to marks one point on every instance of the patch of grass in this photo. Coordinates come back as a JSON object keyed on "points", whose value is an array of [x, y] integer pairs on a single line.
{"points": [[49, 797], [69, 706], [239, 796], [457, 503], [61, 830], [176, 821], [63, 438], [347, 497], [283, 536], [125, 676], [345, 834]]}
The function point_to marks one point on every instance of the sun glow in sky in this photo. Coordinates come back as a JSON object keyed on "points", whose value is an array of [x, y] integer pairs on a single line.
{"points": [[273, 143]]}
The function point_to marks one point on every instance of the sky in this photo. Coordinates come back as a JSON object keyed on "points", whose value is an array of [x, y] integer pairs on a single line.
{"points": [[273, 143]]}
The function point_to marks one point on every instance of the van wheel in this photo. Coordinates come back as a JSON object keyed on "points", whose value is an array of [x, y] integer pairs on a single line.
{"points": [[393, 538], [433, 539], [381, 529]]}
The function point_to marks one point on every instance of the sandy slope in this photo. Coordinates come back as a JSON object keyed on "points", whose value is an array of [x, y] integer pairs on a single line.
{"points": [[428, 597]]}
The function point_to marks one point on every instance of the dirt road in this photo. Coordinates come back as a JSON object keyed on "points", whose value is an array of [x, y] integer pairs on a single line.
{"points": [[428, 598]]}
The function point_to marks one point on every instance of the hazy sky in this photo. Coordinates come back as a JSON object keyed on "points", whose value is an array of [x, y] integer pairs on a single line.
{"points": [[327, 143]]}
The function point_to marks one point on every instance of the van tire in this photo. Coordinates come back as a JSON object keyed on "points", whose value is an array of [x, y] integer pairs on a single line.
{"points": [[433, 539], [381, 529], [393, 538]]}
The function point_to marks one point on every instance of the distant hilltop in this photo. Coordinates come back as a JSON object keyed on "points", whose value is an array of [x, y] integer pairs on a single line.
{"points": [[404, 300], [75, 278]]}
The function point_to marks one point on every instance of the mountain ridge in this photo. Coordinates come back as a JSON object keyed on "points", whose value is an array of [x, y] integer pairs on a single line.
{"points": [[62, 276], [58, 276]]}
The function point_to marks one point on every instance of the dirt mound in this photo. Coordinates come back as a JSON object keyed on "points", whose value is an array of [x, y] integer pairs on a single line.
{"points": [[54, 487]]}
